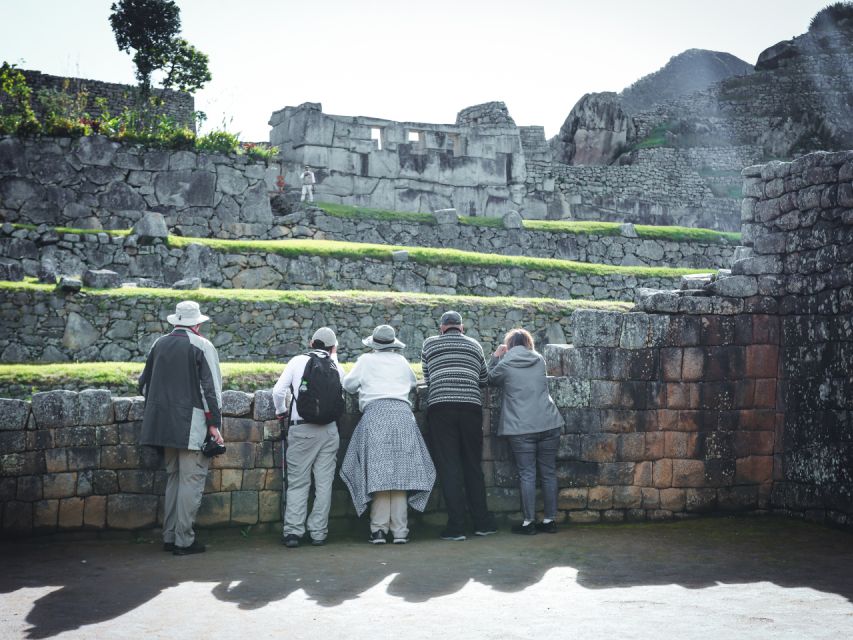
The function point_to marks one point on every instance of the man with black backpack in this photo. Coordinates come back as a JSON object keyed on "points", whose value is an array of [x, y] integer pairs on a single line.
{"points": [[314, 378]]}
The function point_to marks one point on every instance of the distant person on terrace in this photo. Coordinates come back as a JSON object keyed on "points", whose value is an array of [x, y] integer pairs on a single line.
{"points": [[308, 183]]}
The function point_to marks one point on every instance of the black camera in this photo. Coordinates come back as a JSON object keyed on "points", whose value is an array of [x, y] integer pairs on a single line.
{"points": [[211, 448]]}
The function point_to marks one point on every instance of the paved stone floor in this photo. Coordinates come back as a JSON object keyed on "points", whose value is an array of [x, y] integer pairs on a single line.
{"points": [[710, 578]]}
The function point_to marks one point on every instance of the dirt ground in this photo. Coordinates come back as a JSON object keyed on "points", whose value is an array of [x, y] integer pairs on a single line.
{"points": [[750, 577]]}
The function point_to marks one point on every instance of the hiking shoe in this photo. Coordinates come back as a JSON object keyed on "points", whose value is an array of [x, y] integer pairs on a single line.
{"points": [[450, 535], [377, 537], [195, 547], [168, 546], [318, 542], [291, 541], [525, 529], [547, 527], [400, 540], [486, 531]]}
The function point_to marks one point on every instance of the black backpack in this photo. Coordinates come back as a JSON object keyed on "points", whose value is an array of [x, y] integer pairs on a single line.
{"points": [[320, 399]]}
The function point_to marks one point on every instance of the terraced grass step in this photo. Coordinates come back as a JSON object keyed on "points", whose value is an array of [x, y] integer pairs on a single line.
{"points": [[326, 264], [23, 380], [38, 324]]}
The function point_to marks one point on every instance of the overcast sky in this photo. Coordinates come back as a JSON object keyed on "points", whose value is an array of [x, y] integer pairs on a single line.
{"points": [[403, 60]]}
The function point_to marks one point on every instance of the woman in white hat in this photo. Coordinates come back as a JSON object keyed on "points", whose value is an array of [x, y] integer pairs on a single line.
{"points": [[387, 462]]}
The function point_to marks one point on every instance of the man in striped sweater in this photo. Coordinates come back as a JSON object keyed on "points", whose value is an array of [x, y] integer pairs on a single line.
{"points": [[454, 369]]}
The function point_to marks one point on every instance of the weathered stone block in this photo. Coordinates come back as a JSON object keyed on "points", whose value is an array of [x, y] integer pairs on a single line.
{"points": [[754, 469], [104, 481], [83, 458], [95, 407], [45, 514], [101, 279], [55, 460], [95, 512], [59, 485], [600, 498], [236, 403], [122, 456], [52, 409], [269, 506], [71, 513], [573, 498], [23, 463], [239, 455], [76, 437], [627, 497], [232, 479], [241, 430], [595, 328], [244, 507], [13, 441], [615, 473], [264, 408], [131, 511], [672, 499], [13, 414], [135, 481], [700, 500], [688, 473], [584, 517], [662, 473]]}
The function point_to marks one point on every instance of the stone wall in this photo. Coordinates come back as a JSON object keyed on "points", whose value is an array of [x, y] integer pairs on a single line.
{"points": [[176, 104], [798, 219], [661, 188], [74, 253], [406, 166], [38, 325], [644, 439], [92, 182]]}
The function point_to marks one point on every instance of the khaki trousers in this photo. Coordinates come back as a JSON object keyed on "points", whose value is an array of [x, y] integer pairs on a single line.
{"points": [[389, 510], [186, 472], [311, 450]]}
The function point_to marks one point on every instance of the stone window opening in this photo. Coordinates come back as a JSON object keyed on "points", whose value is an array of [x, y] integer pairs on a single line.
{"points": [[416, 136], [376, 135]]}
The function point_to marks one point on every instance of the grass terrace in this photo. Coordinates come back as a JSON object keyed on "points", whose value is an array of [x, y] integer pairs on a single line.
{"points": [[423, 255], [304, 297], [121, 377], [584, 227]]}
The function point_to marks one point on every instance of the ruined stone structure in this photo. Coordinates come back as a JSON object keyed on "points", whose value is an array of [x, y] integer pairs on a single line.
{"points": [[476, 166], [729, 394], [177, 105]]}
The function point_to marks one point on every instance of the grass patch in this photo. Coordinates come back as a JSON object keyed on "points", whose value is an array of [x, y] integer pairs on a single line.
{"points": [[688, 234], [656, 138], [482, 221], [425, 255], [348, 298], [122, 376], [110, 232], [579, 227]]}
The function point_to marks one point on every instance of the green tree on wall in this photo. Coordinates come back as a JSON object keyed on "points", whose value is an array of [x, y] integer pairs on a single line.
{"points": [[150, 28]]}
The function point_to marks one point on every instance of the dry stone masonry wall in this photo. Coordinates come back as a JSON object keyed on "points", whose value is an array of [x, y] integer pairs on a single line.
{"points": [[72, 253], [41, 326]]}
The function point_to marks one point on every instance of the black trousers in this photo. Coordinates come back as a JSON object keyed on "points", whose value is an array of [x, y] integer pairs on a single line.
{"points": [[457, 439]]}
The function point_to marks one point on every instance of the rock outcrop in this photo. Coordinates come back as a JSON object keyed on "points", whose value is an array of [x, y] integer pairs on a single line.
{"points": [[595, 133]]}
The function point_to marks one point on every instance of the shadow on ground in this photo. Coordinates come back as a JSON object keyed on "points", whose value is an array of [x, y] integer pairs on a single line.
{"points": [[95, 581]]}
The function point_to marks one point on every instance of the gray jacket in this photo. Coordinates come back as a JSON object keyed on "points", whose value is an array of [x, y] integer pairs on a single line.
{"points": [[527, 406], [182, 386]]}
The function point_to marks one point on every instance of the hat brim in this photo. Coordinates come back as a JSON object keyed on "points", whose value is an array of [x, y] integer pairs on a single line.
{"points": [[172, 318], [368, 342]]}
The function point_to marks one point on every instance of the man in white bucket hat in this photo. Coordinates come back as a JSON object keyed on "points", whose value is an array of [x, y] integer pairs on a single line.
{"points": [[182, 386]]}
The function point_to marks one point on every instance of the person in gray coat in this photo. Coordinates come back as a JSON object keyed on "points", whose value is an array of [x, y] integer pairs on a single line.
{"points": [[531, 422], [182, 386]]}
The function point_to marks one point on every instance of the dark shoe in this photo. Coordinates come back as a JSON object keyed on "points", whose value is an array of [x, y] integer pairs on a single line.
{"points": [[525, 529], [318, 542], [486, 531], [377, 537], [451, 535], [168, 546], [291, 541], [547, 527], [195, 547]]}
